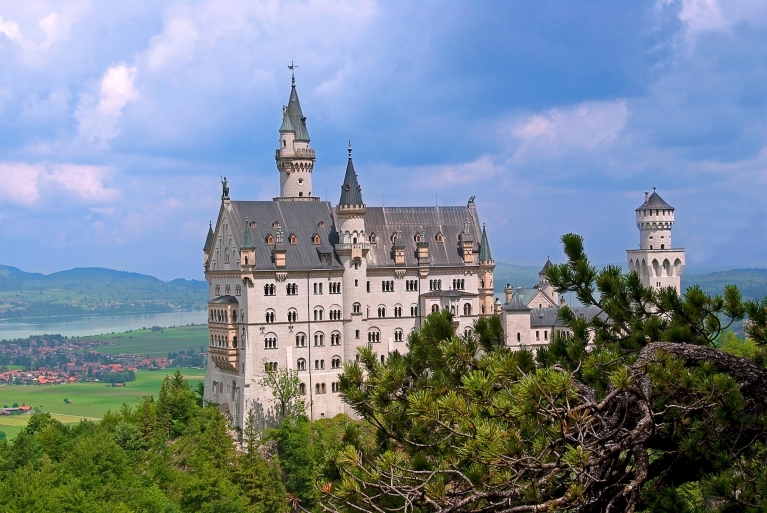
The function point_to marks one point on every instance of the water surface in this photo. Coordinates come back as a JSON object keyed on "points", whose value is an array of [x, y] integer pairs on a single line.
{"points": [[83, 325]]}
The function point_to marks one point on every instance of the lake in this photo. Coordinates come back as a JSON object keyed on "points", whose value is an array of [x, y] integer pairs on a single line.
{"points": [[97, 324]]}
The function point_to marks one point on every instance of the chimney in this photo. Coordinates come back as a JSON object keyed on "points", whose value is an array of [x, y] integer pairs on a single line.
{"points": [[646, 196], [509, 291]]}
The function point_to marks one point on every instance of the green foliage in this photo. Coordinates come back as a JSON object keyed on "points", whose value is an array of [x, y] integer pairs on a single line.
{"points": [[651, 405], [285, 386], [164, 455]]}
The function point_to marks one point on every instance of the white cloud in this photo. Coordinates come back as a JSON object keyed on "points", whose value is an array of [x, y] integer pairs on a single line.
{"points": [[27, 184], [11, 30], [99, 121], [174, 46], [702, 16], [587, 126]]}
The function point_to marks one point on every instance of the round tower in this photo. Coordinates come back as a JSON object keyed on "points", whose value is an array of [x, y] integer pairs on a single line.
{"points": [[654, 218], [295, 159], [657, 262]]}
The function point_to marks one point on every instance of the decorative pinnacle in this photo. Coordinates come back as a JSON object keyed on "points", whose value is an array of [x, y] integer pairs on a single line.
{"points": [[292, 67], [350, 149]]}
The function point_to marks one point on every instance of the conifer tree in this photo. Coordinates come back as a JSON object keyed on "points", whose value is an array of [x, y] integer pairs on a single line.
{"points": [[635, 409]]}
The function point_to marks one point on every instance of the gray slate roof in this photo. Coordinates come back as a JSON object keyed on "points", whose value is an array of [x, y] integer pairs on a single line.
{"points": [[543, 317], [484, 247], [209, 239], [351, 192], [297, 118], [516, 304], [224, 300], [524, 296], [545, 266], [303, 218], [655, 201], [448, 293], [449, 221]]}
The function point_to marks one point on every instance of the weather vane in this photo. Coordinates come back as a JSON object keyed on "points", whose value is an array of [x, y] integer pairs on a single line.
{"points": [[350, 149], [292, 68]]}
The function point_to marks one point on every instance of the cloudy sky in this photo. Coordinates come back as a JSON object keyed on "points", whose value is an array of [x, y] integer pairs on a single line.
{"points": [[118, 118]]}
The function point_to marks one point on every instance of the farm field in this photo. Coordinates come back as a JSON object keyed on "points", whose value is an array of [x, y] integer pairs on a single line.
{"points": [[88, 400], [155, 343]]}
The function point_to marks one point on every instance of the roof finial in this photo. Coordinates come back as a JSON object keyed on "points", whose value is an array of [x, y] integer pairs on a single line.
{"points": [[292, 68], [350, 149], [653, 189]]}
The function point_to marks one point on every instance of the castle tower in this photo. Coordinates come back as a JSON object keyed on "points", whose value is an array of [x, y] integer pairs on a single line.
{"points": [[658, 264], [544, 285], [352, 250], [295, 159], [486, 268]]}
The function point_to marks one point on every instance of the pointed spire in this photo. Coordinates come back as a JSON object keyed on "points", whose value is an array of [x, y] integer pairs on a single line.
{"points": [[516, 303], [247, 238], [351, 192], [484, 248], [209, 239], [297, 119], [466, 236], [545, 266]]}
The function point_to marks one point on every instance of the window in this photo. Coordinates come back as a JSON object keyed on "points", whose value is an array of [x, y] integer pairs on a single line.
{"points": [[319, 388], [387, 286], [292, 289], [368, 286], [356, 308], [537, 336], [302, 387], [300, 340], [335, 387], [374, 336], [319, 364], [519, 337], [270, 342], [238, 290], [318, 288], [269, 316], [373, 238], [270, 366], [545, 334], [467, 309], [398, 335], [383, 359], [292, 315], [335, 315], [334, 287], [335, 363], [356, 283], [397, 311], [269, 289], [434, 308], [411, 286], [316, 239], [234, 342], [335, 339], [356, 333], [319, 339], [318, 312], [381, 311], [293, 239], [435, 284], [413, 311], [270, 239]]}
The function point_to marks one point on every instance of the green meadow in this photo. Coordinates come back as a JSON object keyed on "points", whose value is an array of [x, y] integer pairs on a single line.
{"points": [[88, 400], [155, 343]]}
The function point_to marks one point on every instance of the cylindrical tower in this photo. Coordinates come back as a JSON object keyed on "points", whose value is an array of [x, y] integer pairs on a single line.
{"points": [[295, 159], [654, 218]]}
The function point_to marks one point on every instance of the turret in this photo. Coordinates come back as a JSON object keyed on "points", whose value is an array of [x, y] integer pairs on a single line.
{"points": [[544, 285], [247, 249], [657, 262], [467, 242], [295, 159], [654, 218], [208, 246], [486, 268]]}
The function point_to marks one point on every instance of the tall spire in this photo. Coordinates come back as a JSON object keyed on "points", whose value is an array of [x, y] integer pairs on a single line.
{"points": [[209, 239], [294, 112], [484, 248], [351, 192], [247, 238]]}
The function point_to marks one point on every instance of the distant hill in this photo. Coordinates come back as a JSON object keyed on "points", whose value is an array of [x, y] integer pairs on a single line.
{"points": [[93, 290], [751, 282]]}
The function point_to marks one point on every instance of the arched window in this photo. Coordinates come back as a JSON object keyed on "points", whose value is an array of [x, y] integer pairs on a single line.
{"points": [[467, 309], [319, 339], [413, 311], [270, 341], [293, 239], [434, 308], [292, 315], [234, 342], [316, 239], [398, 311], [270, 239], [374, 336], [302, 388], [356, 308], [300, 340], [318, 313], [398, 335], [335, 339], [545, 334], [270, 316], [537, 336], [519, 337], [335, 363]]}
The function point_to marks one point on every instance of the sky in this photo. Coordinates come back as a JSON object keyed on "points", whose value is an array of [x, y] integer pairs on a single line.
{"points": [[119, 118]]}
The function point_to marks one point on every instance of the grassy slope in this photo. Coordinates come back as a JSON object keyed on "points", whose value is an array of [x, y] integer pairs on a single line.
{"points": [[154, 343], [90, 400]]}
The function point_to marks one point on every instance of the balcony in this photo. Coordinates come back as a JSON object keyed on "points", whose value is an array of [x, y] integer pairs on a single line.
{"points": [[225, 358]]}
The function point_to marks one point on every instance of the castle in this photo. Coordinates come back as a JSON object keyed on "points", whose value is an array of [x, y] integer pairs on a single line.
{"points": [[297, 283]]}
